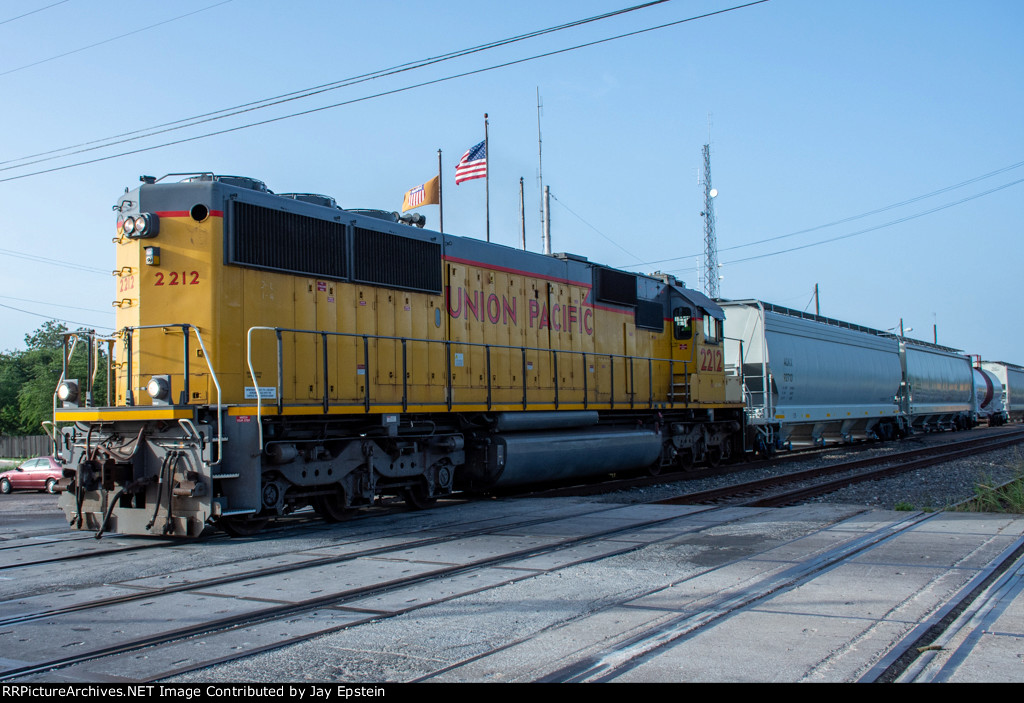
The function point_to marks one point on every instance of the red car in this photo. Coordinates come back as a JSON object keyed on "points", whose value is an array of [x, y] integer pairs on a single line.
{"points": [[39, 474]]}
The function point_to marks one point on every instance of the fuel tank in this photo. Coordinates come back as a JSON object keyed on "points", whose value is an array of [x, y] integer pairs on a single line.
{"points": [[532, 457]]}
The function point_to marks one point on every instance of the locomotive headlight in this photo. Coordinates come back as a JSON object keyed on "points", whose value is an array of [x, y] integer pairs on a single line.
{"points": [[67, 391], [142, 226], [158, 388]]}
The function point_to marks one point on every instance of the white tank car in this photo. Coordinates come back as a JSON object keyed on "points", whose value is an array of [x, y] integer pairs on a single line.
{"points": [[1011, 376], [988, 398]]}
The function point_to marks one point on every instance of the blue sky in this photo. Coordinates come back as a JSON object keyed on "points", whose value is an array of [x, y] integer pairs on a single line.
{"points": [[818, 111]]}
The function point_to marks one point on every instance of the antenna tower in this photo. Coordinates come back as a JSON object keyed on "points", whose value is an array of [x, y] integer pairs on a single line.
{"points": [[710, 245]]}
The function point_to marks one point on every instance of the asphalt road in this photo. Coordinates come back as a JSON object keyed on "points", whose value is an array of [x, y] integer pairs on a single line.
{"points": [[28, 511]]}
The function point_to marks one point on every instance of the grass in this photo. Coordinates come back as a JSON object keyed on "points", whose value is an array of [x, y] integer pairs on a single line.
{"points": [[1008, 498], [990, 498], [907, 506]]}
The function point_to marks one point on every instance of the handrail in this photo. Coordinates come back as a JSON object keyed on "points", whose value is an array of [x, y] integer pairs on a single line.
{"points": [[216, 383], [65, 360], [486, 347], [63, 371], [252, 374], [50, 428], [127, 333]]}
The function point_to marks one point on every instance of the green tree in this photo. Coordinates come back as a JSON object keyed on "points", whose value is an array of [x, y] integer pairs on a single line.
{"points": [[12, 377], [29, 377], [49, 336]]}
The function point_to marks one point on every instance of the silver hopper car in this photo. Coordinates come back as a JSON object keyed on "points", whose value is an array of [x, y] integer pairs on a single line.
{"points": [[810, 380]]}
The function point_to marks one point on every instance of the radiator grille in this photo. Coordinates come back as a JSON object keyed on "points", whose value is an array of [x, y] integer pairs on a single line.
{"points": [[650, 315], [395, 261], [284, 241], [615, 286]]}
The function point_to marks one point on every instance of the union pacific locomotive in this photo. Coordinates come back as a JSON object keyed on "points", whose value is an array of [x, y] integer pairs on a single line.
{"points": [[276, 351]]}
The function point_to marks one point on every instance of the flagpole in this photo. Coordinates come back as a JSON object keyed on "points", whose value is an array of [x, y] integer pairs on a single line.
{"points": [[440, 189], [522, 216], [487, 181]]}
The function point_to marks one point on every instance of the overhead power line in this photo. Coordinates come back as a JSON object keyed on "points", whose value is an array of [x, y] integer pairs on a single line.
{"points": [[119, 36], [46, 7], [57, 305], [53, 262], [875, 228], [388, 92], [593, 227], [58, 319], [882, 226], [852, 218], [304, 93]]}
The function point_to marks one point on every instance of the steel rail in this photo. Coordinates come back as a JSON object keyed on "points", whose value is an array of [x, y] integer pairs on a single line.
{"points": [[275, 612], [905, 461]]}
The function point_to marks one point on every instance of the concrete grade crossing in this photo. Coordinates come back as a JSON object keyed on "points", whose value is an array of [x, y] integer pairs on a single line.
{"points": [[639, 593], [811, 593]]}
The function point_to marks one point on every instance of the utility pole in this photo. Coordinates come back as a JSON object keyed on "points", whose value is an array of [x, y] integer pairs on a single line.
{"points": [[547, 220]]}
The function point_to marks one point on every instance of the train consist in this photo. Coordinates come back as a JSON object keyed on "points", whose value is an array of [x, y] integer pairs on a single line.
{"points": [[276, 351]]}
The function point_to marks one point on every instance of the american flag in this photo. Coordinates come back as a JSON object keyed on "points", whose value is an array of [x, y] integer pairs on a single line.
{"points": [[473, 164], [416, 197]]}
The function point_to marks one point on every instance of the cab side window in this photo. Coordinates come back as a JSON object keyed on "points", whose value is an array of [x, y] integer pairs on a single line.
{"points": [[682, 323], [712, 329]]}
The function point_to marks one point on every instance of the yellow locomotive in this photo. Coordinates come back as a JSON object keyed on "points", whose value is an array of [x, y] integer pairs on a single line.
{"points": [[276, 351]]}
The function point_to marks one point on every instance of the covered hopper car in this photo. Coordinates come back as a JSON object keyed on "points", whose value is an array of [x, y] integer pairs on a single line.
{"points": [[810, 380], [277, 351]]}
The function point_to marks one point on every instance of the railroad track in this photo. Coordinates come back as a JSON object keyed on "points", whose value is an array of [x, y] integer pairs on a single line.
{"points": [[817, 481], [75, 546], [794, 457], [357, 582], [334, 587], [268, 616]]}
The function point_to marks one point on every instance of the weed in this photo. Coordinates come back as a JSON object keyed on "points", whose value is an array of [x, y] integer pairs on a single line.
{"points": [[991, 498]]}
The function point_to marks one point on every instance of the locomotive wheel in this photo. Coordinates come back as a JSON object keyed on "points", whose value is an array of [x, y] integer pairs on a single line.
{"points": [[242, 526], [728, 455], [332, 507], [713, 456], [684, 460], [417, 498]]}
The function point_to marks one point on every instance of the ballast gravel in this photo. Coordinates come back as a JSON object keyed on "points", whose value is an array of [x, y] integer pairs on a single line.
{"points": [[933, 488]]}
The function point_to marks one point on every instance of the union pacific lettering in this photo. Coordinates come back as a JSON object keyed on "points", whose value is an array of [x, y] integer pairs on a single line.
{"points": [[490, 307]]}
